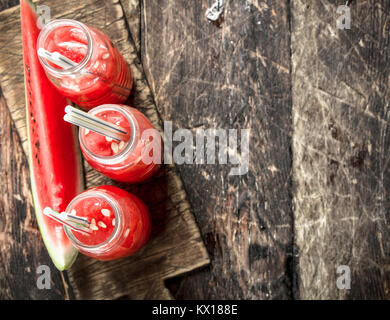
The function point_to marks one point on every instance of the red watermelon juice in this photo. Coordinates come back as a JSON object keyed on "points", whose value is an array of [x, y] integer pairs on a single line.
{"points": [[119, 223], [100, 74], [134, 160]]}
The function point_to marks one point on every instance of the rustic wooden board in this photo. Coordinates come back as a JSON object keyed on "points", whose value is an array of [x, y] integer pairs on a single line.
{"points": [[235, 76], [132, 11], [341, 110], [176, 246], [5, 4]]}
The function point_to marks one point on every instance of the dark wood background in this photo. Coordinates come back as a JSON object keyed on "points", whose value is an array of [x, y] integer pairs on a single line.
{"points": [[317, 101], [176, 246]]}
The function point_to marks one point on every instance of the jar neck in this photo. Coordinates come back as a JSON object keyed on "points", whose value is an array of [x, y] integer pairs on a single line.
{"points": [[115, 235], [41, 43], [129, 147]]}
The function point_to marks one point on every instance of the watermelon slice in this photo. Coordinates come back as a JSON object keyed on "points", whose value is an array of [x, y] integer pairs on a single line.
{"points": [[54, 158]]}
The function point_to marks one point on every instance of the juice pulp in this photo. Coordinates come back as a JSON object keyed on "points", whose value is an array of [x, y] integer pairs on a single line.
{"points": [[98, 149], [101, 215], [106, 77], [116, 231]]}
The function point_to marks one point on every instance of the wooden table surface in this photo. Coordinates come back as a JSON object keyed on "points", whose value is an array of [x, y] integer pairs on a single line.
{"points": [[317, 101]]}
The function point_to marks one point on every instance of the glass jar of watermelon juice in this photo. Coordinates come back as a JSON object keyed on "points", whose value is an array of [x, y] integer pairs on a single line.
{"points": [[96, 72], [134, 159], [119, 223]]}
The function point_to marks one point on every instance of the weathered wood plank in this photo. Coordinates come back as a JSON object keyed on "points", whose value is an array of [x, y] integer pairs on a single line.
{"points": [[176, 246], [235, 76], [5, 4], [341, 145], [21, 248], [132, 10]]}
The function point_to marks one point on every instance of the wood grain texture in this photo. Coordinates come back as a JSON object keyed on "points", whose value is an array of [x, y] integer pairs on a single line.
{"points": [[341, 109], [21, 248], [5, 4], [235, 76], [132, 10], [176, 246], [317, 101]]}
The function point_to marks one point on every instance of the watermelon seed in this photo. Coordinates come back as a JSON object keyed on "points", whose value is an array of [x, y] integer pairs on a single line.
{"points": [[93, 225], [113, 222], [121, 145], [102, 224], [105, 212], [114, 147], [127, 232], [108, 139]]}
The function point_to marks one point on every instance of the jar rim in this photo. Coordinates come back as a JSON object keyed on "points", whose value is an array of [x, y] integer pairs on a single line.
{"points": [[116, 209], [49, 27], [116, 158]]}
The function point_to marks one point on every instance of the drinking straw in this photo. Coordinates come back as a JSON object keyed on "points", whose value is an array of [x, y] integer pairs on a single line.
{"points": [[56, 58], [71, 221], [93, 123], [59, 57]]}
